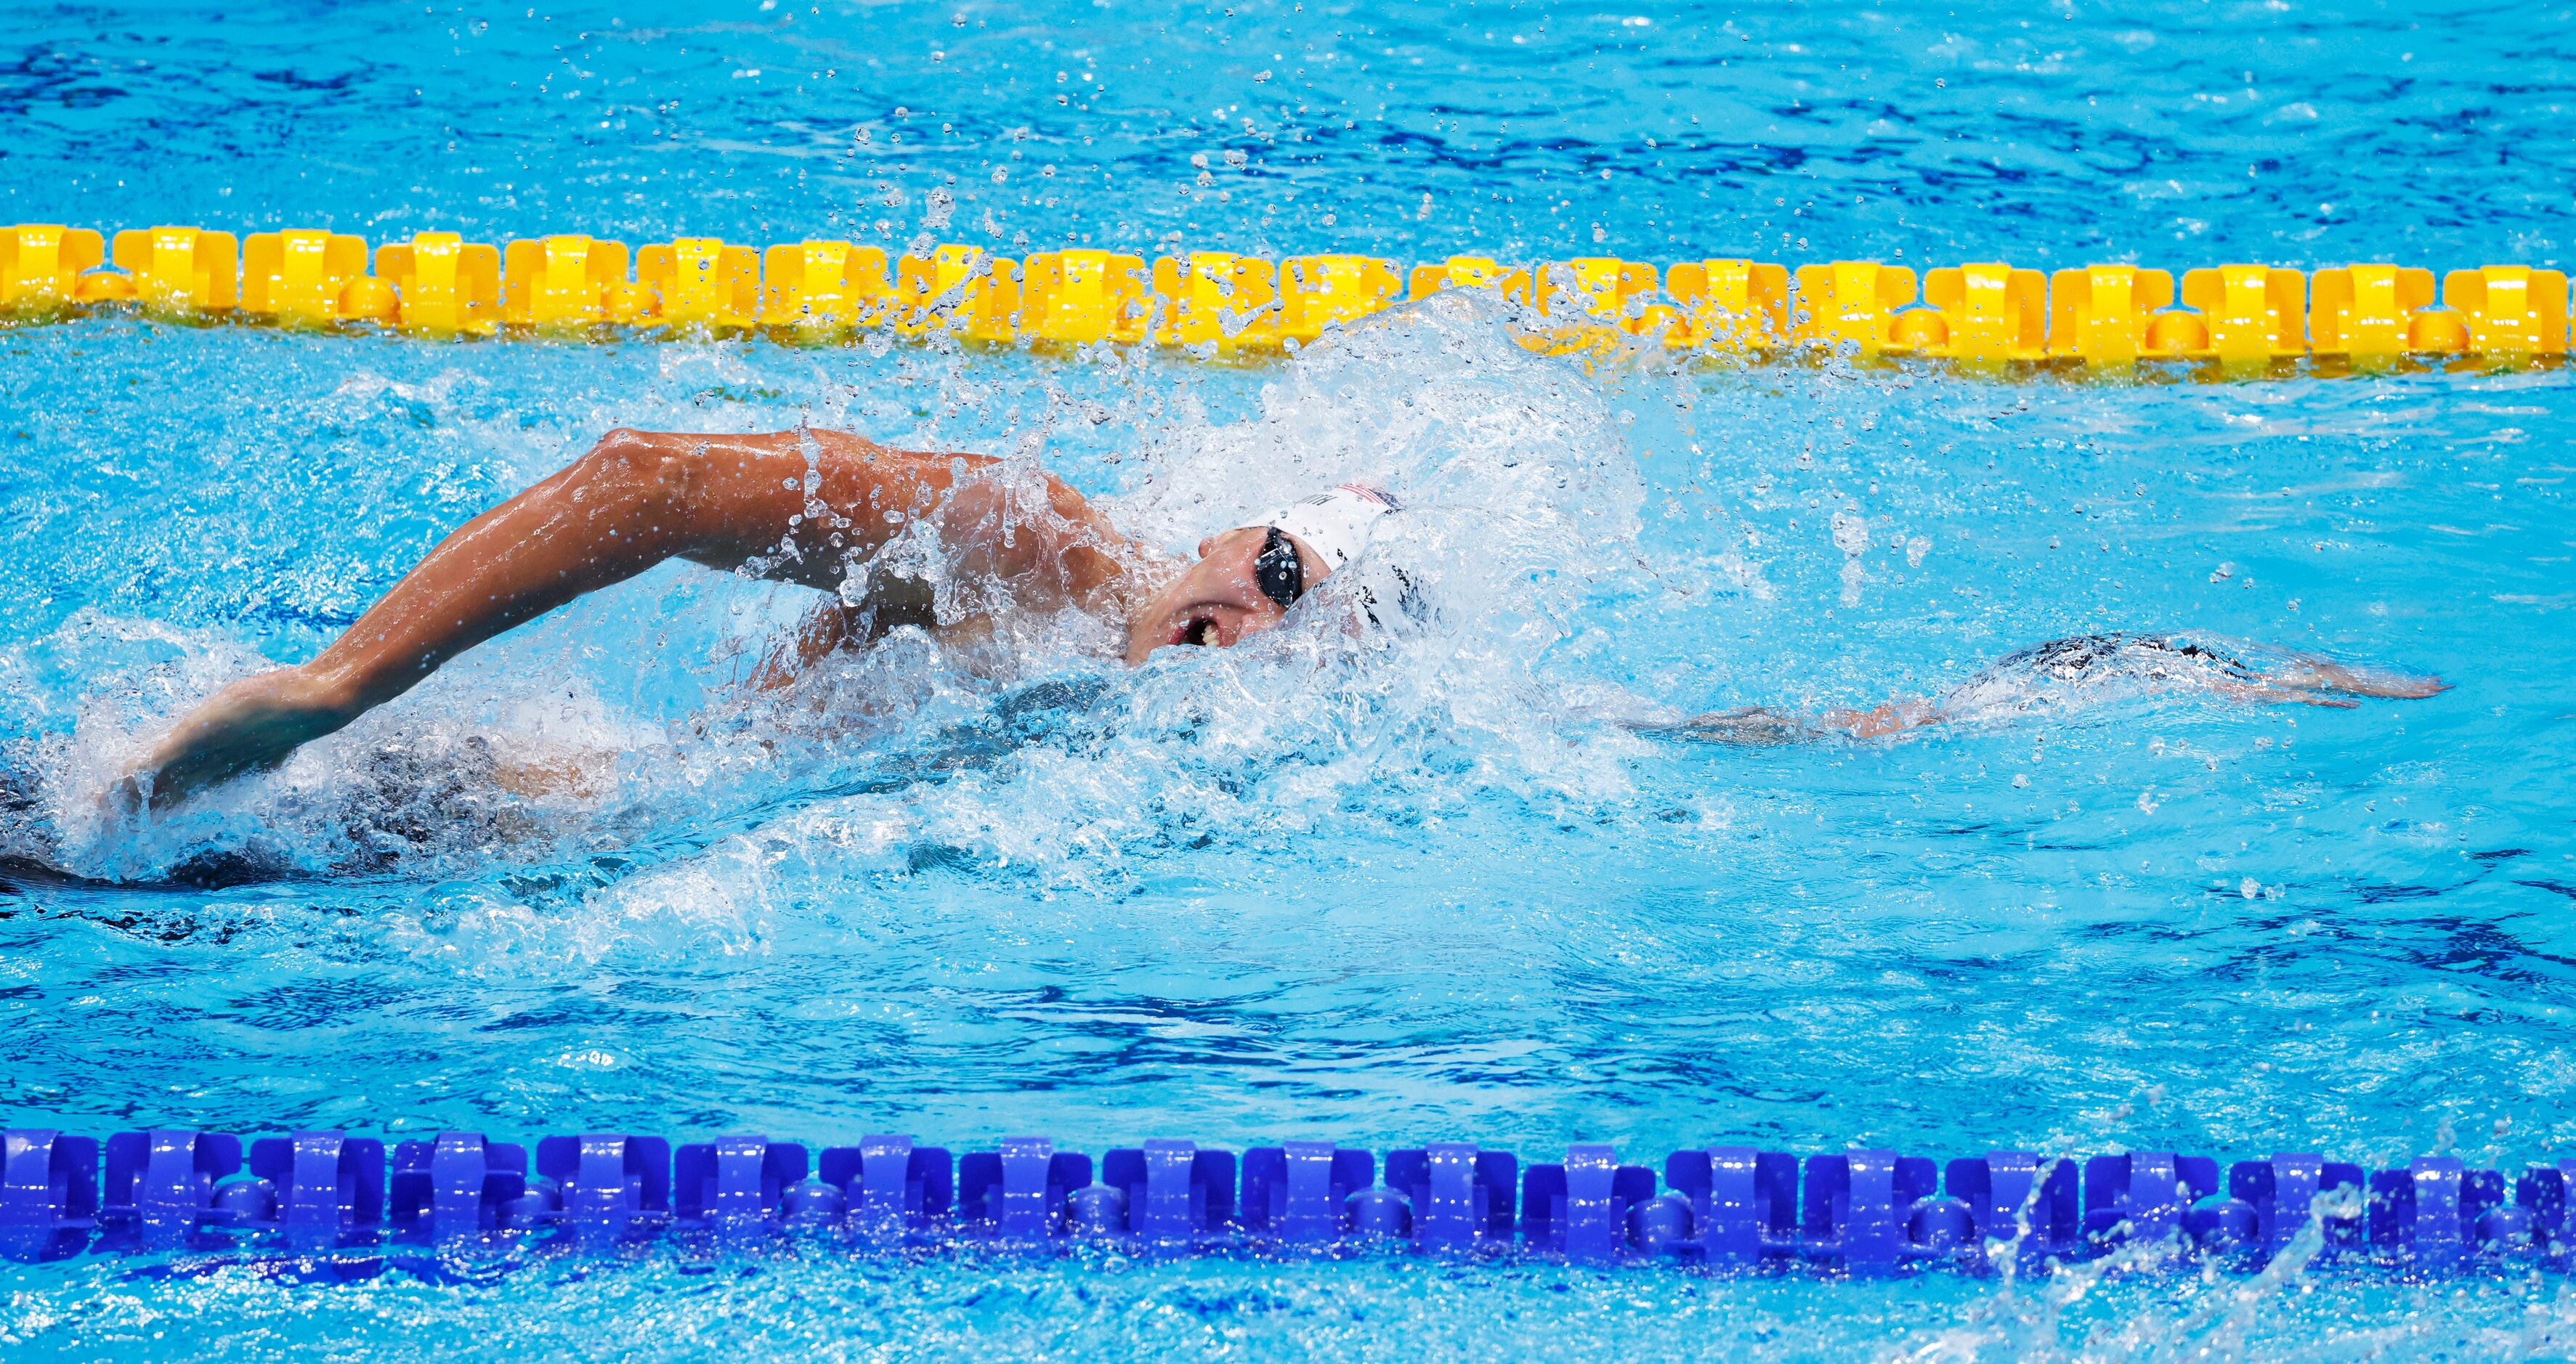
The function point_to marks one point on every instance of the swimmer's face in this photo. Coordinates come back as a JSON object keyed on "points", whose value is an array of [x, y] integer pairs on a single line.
{"points": [[1217, 600]]}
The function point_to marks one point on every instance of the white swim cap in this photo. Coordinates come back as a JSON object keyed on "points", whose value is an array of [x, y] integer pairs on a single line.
{"points": [[1335, 523]]}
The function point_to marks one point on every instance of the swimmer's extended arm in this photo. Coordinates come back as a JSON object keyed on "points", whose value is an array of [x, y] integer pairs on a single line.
{"points": [[2306, 679], [635, 500]]}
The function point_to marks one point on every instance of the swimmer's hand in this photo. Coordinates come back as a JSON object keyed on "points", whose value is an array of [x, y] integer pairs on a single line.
{"points": [[249, 726]]}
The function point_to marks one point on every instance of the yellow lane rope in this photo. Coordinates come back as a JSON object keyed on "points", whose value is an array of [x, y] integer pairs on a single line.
{"points": [[1985, 316]]}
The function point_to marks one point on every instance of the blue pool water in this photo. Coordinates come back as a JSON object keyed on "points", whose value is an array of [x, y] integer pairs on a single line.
{"points": [[1425, 888]]}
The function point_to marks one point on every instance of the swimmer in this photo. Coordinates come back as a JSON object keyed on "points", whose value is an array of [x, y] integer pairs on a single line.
{"points": [[795, 506], [806, 506]]}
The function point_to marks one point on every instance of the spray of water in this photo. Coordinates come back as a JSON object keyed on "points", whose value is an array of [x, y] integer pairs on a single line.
{"points": [[1405, 672]]}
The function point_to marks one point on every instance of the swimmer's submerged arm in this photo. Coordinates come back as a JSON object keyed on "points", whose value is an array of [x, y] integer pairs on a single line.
{"points": [[1762, 725], [2307, 679], [2317, 673], [635, 500]]}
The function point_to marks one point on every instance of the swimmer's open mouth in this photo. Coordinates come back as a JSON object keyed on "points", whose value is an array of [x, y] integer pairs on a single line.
{"points": [[1197, 630]]}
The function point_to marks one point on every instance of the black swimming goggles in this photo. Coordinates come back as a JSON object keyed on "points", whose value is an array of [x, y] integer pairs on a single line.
{"points": [[1278, 571]]}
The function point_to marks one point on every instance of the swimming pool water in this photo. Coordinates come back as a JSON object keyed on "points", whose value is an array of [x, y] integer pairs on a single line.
{"points": [[1417, 887]]}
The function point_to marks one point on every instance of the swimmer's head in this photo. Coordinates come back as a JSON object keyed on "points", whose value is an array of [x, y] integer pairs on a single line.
{"points": [[1246, 578]]}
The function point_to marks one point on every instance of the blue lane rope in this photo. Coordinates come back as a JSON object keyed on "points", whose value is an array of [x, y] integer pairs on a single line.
{"points": [[1863, 1212]]}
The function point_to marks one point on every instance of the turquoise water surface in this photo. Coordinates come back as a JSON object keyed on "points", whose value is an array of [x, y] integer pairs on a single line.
{"points": [[1423, 886]]}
